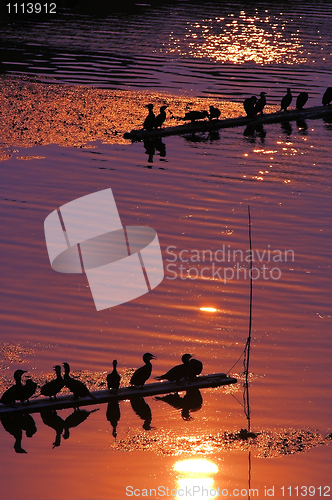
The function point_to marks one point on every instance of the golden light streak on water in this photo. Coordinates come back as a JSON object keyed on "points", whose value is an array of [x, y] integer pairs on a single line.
{"points": [[199, 466], [208, 309]]}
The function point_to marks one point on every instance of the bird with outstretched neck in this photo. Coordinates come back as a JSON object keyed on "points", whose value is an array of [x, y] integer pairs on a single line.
{"points": [[195, 115], [260, 104], [150, 119], [15, 391], [159, 120], [178, 372], [249, 106], [77, 387], [327, 97], [286, 100], [214, 113], [301, 99], [54, 386], [141, 375], [113, 378]]}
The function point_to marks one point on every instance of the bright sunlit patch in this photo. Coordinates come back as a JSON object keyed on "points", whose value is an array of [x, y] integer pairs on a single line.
{"points": [[208, 309], [200, 466]]}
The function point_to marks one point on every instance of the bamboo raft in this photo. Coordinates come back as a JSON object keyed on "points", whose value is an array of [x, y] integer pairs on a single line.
{"points": [[207, 126], [105, 396]]}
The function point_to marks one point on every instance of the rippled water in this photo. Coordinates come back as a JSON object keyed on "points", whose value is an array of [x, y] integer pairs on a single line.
{"points": [[194, 191]]}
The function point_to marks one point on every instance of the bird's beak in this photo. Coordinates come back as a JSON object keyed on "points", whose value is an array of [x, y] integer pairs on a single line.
{"points": [[154, 357], [25, 371]]}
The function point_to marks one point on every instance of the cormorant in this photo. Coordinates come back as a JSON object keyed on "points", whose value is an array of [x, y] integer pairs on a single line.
{"points": [[286, 100], [53, 420], [143, 410], [214, 113], [327, 97], [77, 387], [196, 115], [301, 99], [150, 119], [249, 106], [113, 378], [54, 386], [177, 372], [259, 106], [159, 120], [28, 390], [113, 414], [141, 375], [15, 391], [195, 367]]}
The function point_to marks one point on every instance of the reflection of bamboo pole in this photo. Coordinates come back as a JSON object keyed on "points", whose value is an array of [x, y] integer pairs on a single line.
{"points": [[247, 347]]}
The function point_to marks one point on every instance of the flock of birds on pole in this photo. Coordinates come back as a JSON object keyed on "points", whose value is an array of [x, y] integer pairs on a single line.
{"points": [[189, 369], [252, 107]]}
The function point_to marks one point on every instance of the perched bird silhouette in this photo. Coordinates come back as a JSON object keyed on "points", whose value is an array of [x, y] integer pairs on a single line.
{"points": [[54, 386], [141, 375], [15, 391], [196, 115], [249, 106], [260, 104], [178, 372], [195, 367], [113, 378], [327, 97], [159, 120], [77, 387], [214, 113], [28, 390], [150, 119], [286, 100], [301, 99]]}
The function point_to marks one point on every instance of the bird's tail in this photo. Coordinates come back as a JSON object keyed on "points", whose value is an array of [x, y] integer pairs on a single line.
{"points": [[92, 396], [160, 378]]}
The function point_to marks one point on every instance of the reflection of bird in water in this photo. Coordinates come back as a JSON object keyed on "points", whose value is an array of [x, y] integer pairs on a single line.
{"points": [[196, 115], [77, 387], [286, 100], [113, 378], [151, 145], [178, 372], [28, 390], [214, 113], [53, 420], [113, 414], [286, 127], [54, 386], [150, 119], [249, 106], [74, 419], [141, 375], [143, 410], [194, 368], [15, 425], [260, 104], [28, 425], [159, 120], [327, 97], [302, 126], [254, 130], [15, 391], [301, 99], [192, 401]]}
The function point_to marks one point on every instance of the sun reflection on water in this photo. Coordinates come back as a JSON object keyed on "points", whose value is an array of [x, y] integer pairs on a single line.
{"points": [[194, 478]]}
